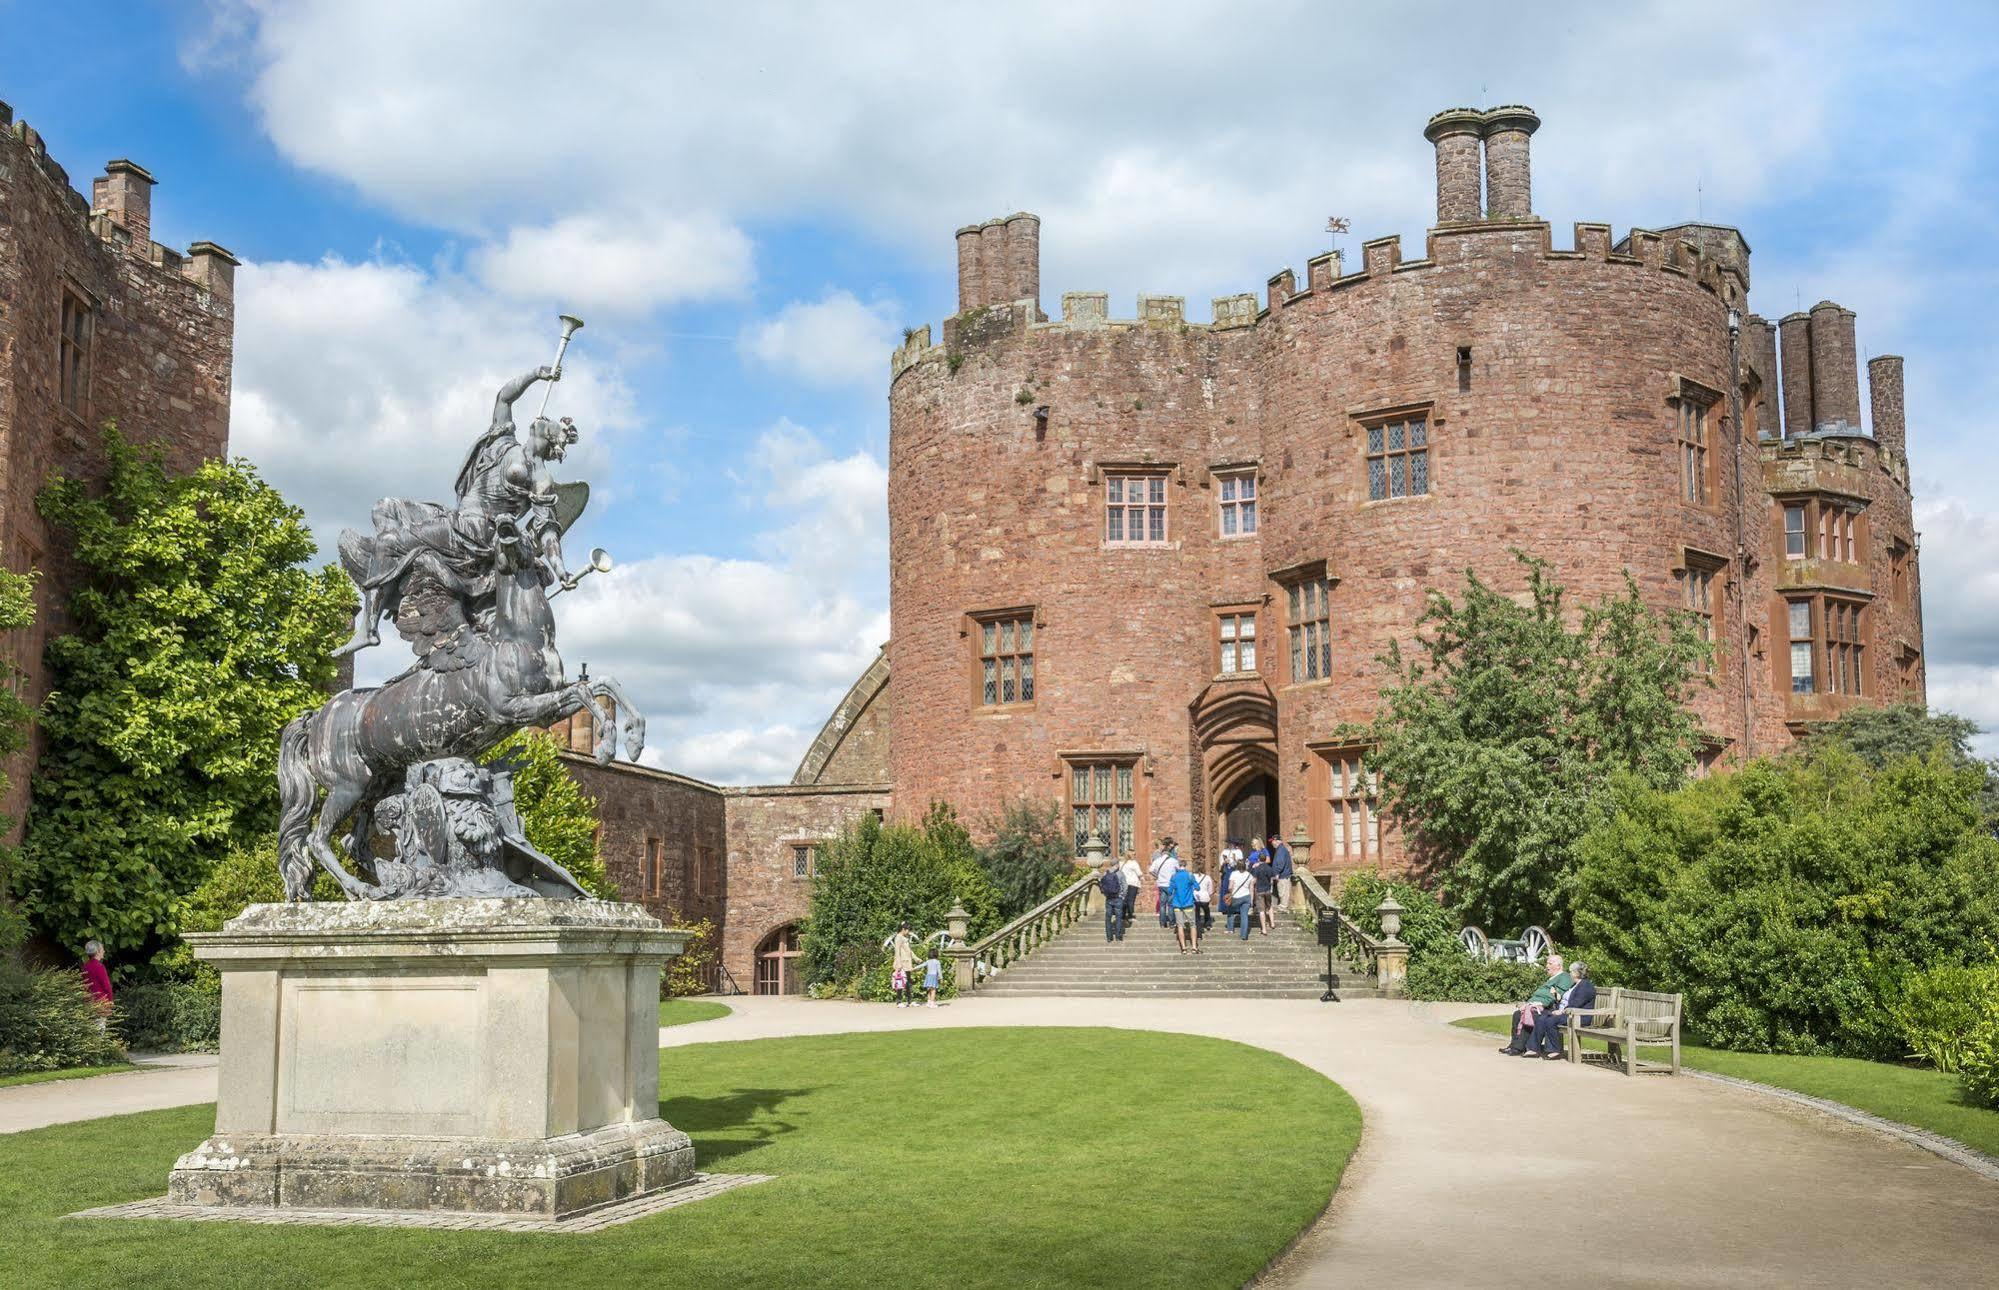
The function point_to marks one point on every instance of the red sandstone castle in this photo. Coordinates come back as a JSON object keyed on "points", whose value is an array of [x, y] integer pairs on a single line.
{"points": [[1145, 567]]}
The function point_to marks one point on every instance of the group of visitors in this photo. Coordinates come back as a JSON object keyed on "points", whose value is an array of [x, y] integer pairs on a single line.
{"points": [[1540, 1025], [903, 968], [1251, 887]]}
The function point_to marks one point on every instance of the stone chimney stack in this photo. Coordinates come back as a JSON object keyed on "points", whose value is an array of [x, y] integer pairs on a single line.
{"points": [[999, 262], [1023, 257], [1509, 181], [971, 271], [1795, 337], [1455, 132], [1835, 369], [125, 193], [1884, 388], [1759, 347]]}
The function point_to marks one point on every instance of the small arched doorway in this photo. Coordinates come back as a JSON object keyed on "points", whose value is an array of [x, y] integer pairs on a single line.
{"points": [[777, 963]]}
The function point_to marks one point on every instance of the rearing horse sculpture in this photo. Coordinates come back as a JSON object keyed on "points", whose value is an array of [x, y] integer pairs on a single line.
{"points": [[477, 680]]}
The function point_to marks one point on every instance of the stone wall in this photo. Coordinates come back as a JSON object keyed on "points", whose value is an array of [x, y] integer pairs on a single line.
{"points": [[641, 811], [765, 891], [159, 358]]}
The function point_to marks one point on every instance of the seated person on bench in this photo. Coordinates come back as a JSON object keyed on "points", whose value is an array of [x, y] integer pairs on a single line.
{"points": [[1545, 996], [1550, 1028]]}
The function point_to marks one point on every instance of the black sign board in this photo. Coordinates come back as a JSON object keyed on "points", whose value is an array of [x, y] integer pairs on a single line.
{"points": [[1329, 926]]}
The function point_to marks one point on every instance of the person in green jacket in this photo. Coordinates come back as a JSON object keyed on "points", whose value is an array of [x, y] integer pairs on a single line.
{"points": [[1546, 995]]}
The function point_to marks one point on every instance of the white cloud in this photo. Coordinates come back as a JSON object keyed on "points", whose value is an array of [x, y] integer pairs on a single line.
{"points": [[620, 265], [834, 340], [1189, 149]]}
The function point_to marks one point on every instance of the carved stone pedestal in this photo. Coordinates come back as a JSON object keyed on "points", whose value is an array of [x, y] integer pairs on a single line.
{"points": [[481, 1056]]}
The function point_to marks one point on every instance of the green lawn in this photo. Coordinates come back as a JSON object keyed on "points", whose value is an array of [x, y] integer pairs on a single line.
{"points": [[74, 1072], [1926, 1099], [679, 1012], [998, 1157]]}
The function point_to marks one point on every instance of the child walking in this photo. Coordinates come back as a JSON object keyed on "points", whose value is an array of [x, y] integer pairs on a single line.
{"points": [[932, 972]]}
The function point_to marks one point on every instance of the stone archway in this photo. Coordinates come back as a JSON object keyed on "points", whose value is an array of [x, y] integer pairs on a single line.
{"points": [[777, 967], [1235, 732]]}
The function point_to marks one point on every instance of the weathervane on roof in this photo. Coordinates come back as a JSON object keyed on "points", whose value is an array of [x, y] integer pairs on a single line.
{"points": [[1336, 226]]}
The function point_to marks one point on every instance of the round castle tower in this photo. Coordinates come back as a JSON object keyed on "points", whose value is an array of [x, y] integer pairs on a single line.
{"points": [[1145, 567]]}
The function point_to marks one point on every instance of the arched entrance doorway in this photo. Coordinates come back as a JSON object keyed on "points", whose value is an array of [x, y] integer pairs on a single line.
{"points": [[1250, 812], [777, 963], [1235, 782]]}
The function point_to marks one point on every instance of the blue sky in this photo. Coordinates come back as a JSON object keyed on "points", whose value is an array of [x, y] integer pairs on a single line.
{"points": [[749, 202]]}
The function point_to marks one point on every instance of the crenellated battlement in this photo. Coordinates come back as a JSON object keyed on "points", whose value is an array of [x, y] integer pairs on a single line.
{"points": [[118, 214], [1674, 253]]}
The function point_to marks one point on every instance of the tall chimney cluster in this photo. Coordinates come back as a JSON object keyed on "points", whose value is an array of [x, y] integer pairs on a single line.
{"points": [[1502, 134], [999, 261], [1821, 371]]}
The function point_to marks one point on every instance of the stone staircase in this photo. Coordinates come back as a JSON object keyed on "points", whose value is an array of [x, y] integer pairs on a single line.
{"points": [[1287, 964]]}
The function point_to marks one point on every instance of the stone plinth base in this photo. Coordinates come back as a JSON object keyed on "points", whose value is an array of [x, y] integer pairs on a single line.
{"points": [[473, 1056]]}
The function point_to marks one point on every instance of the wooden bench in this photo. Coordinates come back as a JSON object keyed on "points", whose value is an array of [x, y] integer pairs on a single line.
{"points": [[1624, 1019]]}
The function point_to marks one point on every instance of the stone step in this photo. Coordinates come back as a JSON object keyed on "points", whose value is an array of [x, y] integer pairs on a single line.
{"points": [[1289, 963]]}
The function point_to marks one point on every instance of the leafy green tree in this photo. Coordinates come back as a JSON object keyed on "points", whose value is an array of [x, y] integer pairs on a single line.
{"points": [[1882, 736], [875, 876], [1790, 901], [1031, 856], [559, 818], [17, 613], [200, 630], [1499, 733]]}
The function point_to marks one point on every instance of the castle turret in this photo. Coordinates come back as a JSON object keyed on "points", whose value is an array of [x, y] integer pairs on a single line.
{"points": [[1884, 388], [124, 193], [1455, 132], [1509, 183], [1835, 369], [1795, 339]]}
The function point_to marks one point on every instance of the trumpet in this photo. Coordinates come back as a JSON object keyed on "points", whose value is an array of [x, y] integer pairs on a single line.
{"points": [[571, 324], [600, 562]]}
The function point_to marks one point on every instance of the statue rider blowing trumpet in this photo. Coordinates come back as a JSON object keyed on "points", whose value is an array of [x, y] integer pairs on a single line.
{"points": [[504, 489]]}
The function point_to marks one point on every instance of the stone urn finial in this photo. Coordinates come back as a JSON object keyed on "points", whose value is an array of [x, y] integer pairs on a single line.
{"points": [[957, 922], [1096, 850], [1390, 910]]}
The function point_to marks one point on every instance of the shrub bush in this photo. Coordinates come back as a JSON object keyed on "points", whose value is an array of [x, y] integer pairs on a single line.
{"points": [[1936, 1011], [1978, 1062], [1456, 977], [693, 971], [1788, 900], [49, 1022], [1031, 856], [1427, 927], [171, 1017], [874, 876]]}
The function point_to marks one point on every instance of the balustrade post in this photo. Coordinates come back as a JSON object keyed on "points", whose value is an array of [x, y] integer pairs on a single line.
{"points": [[1391, 957], [957, 926]]}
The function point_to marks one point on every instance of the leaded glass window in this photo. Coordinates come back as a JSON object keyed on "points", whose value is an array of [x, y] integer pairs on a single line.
{"points": [[1006, 660], [1398, 459], [1102, 800], [1309, 625]]}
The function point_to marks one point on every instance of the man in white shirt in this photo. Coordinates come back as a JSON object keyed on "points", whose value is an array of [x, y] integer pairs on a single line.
{"points": [[1241, 898], [1134, 878], [1164, 866]]}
